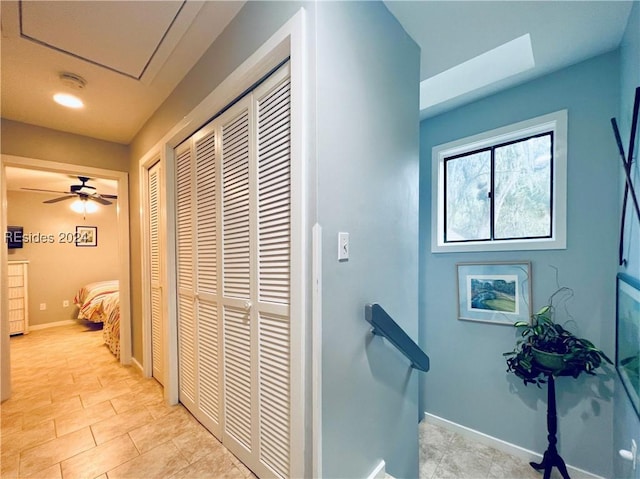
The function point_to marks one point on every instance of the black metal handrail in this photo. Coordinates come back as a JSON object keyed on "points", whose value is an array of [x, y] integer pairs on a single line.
{"points": [[384, 325]]}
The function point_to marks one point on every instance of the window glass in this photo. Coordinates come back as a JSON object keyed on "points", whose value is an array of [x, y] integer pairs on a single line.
{"points": [[522, 191], [502, 190], [468, 206]]}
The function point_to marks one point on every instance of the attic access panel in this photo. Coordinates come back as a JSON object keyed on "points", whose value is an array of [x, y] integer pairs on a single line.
{"points": [[123, 37]]}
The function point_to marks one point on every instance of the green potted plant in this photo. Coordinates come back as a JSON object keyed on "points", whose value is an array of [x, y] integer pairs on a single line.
{"points": [[545, 347]]}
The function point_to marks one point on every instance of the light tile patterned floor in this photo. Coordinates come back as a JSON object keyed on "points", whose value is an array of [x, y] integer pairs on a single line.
{"points": [[76, 413], [447, 455]]}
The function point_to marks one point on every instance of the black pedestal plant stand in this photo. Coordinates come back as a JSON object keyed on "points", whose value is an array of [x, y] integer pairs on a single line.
{"points": [[544, 351], [551, 457]]}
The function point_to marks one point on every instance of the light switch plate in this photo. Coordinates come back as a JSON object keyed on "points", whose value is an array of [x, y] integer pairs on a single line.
{"points": [[343, 246]]}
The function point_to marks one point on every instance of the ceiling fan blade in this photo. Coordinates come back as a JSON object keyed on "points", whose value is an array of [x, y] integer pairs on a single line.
{"points": [[47, 191], [62, 198], [111, 197], [100, 200]]}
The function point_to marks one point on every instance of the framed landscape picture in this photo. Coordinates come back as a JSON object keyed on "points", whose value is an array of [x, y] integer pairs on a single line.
{"points": [[497, 292], [628, 336], [86, 236]]}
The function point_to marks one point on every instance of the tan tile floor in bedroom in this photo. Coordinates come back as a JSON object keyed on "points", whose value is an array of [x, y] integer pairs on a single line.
{"points": [[76, 413]]}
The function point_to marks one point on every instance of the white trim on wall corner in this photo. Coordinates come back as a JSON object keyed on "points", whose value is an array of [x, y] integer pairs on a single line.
{"points": [[138, 366], [379, 472], [36, 327], [316, 350], [499, 444]]}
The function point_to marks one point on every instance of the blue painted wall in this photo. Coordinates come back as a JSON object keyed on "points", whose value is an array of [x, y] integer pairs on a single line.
{"points": [[367, 172], [468, 383], [626, 422]]}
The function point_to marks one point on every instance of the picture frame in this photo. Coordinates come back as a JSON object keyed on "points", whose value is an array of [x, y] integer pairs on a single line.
{"points": [[628, 336], [494, 292], [86, 236]]}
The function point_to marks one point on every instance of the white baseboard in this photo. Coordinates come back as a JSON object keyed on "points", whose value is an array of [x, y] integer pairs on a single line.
{"points": [[499, 444], [36, 327], [137, 365], [378, 472]]}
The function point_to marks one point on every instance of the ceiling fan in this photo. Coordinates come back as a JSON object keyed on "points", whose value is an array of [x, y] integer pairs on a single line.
{"points": [[83, 191]]}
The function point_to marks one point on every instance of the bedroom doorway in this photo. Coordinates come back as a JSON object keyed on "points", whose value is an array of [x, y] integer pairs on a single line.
{"points": [[122, 253]]}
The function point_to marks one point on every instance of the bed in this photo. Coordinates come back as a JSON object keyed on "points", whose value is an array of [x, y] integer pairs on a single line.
{"points": [[99, 302]]}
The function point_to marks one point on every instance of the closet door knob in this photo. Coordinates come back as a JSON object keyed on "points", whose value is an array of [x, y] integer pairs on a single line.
{"points": [[247, 305]]}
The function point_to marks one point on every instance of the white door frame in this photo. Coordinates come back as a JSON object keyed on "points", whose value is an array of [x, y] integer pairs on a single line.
{"points": [[123, 250], [290, 41]]}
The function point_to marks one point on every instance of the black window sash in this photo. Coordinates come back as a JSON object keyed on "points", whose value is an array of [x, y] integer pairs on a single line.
{"points": [[492, 149]]}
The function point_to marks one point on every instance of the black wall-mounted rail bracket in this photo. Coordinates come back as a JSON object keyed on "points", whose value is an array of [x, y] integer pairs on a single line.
{"points": [[384, 325]]}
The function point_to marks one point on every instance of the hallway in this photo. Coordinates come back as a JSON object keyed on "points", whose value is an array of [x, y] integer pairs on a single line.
{"points": [[76, 413]]}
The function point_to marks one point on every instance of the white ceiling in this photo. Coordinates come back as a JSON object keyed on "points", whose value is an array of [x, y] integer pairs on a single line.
{"points": [[133, 53], [562, 33]]}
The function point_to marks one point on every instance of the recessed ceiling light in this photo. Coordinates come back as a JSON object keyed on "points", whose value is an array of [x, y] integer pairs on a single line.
{"points": [[68, 100], [70, 81]]}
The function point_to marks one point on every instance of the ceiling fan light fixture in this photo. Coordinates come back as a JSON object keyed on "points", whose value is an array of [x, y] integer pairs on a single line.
{"points": [[82, 206], [70, 101]]}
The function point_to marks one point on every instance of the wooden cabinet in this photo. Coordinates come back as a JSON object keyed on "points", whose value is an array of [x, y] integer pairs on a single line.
{"points": [[18, 298]]}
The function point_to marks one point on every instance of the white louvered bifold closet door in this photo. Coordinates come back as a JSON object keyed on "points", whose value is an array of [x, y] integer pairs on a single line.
{"points": [[237, 320], [157, 329], [208, 348], [196, 251], [185, 252], [234, 271], [273, 225]]}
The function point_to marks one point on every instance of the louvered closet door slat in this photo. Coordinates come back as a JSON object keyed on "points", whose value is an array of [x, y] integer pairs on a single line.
{"points": [[154, 243], [186, 357], [208, 397], [274, 193], [154, 256], [156, 334], [274, 277], [206, 204], [236, 279], [275, 393], [187, 375], [237, 387], [184, 220], [208, 384], [235, 214]]}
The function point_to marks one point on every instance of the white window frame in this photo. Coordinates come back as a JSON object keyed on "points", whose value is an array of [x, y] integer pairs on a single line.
{"points": [[555, 122]]}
